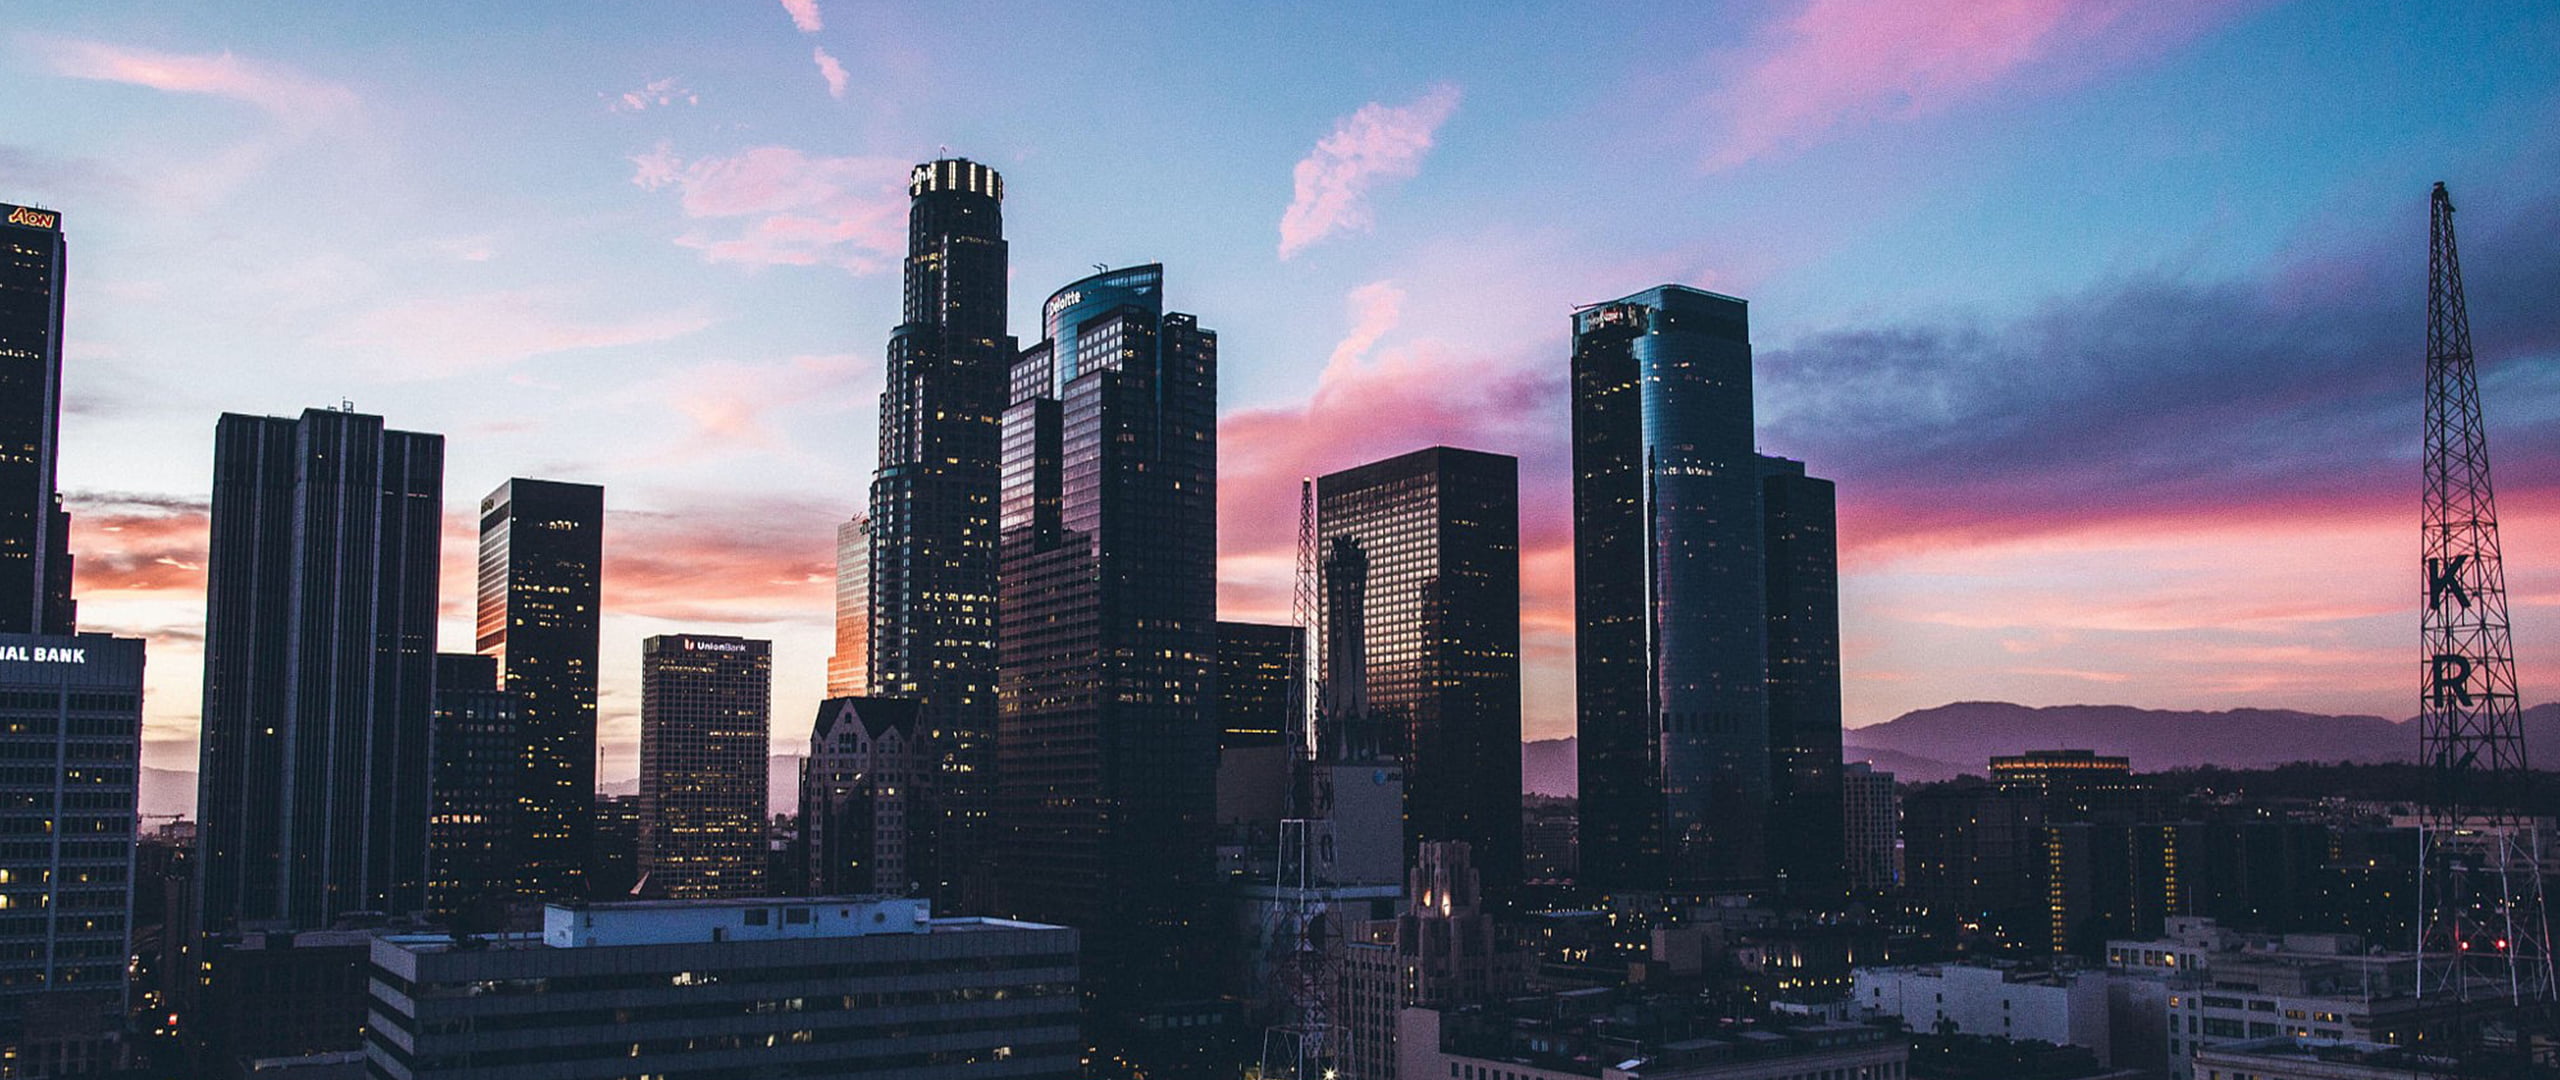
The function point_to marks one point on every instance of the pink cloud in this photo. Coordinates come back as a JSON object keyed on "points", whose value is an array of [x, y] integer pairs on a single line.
{"points": [[805, 15], [1379, 143], [1839, 63], [290, 95], [656, 93], [833, 72], [801, 210], [432, 337]]}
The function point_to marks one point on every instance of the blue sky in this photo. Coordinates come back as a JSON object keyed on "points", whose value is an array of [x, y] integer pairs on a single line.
{"points": [[649, 245]]}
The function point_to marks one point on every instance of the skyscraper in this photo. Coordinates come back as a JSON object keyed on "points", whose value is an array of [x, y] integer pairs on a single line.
{"points": [[71, 729], [480, 765], [541, 596], [1435, 537], [1871, 826], [1108, 747], [35, 556], [1256, 662], [1799, 530], [849, 667], [1670, 609], [319, 669], [857, 790], [706, 707], [933, 510]]}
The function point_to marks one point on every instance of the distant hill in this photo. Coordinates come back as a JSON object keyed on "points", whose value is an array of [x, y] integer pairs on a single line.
{"points": [[1907, 768], [1968, 734], [1547, 767]]}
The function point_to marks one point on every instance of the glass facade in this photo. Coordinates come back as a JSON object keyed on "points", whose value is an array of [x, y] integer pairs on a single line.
{"points": [[706, 709], [1108, 739], [70, 746], [471, 844], [1422, 606], [933, 512], [1799, 527], [35, 557], [540, 604], [1256, 662], [849, 667]]}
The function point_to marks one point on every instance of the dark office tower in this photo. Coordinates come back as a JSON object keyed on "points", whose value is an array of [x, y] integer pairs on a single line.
{"points": [[541, 574], [35, 560], [1669, 618], [706, 708], [71, 732], [479, 745], [856, 790], [319, 669], [933, 511], [1434, 536], [849, 667], [1107, 750], [1799, 537], [1255, 663]]}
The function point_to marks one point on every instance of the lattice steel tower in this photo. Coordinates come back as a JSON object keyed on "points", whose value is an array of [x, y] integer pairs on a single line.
{"points": [[2483, 933], [1299, 933]]}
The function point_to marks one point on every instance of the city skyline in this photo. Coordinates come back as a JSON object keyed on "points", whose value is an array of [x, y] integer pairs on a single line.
{"points": [[2201, 501]]}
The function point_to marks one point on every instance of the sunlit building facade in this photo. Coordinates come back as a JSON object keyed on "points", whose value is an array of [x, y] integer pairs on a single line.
{"points": [[849, 667]]}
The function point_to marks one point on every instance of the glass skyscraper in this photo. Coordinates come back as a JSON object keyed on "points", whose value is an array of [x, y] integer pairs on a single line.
{"points": [[849, 667], [1670, 596], [1435, 535], [35, 534], [1108, 743], [480, 767], [706, 717], [933, 512], [540, 604], [319, 669], [1256, 663], [1799, 536]]}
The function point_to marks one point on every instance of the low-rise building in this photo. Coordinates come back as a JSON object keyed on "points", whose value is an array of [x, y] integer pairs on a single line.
{"points": [[1603, 1034], [824, 986], [2064, 1007], [2223, 987], [2288, 1058]]}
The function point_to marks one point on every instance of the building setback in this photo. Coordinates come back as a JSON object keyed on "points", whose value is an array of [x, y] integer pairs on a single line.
{"points": [[933, 511], [1256, 664], [1437, 534], [319, 669], [1108, 749], [541, 601], [857, 790], [35, 533], [849, 667], [844, 986], [480, 766], [70, 747], [706, 707]]}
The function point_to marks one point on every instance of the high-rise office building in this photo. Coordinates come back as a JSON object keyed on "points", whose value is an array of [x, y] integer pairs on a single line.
{"points": [[933, 511], [319, 669], [541, 598], [1435, 535], [1108, 748], [480, 765], [1871, 828], [35, 553], [1799, 529], [857, 790], [706, 707], [849, 667], [1683, 631], [1256, 663], [71, 733]]}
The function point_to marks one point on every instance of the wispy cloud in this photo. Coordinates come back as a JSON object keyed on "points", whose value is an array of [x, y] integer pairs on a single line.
{"points": [[805, 15], [656, 93], [788, 208], [278, 90], [1839, 63], [832, 71], [1375, 145], [433, 337]]}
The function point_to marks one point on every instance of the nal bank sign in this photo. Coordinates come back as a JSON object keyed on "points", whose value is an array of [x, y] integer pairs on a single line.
{"points": [[44, 654]]}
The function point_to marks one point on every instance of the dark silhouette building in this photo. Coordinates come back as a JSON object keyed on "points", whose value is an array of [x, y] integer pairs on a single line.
{"points": [[1799, 538], [706, 708], [617, 847], [35, 533], [1686, 636], [1435, 539], [541, 599], [1256, 662], [933, 510], [319, 669], [480, 766], [857, 790], [1108, 748]]}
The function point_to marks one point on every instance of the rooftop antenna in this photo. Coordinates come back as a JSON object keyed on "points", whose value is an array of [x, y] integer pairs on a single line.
{"points": [[1102, 268]]}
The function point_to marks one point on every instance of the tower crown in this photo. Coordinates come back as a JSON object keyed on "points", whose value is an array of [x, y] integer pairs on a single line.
{"points": [[954, 174]]}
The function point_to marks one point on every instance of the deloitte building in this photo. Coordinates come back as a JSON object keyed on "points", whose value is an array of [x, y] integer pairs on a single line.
{"points": [[70, 749]]}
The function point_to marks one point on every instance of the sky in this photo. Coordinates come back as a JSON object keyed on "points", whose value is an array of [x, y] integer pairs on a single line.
{"points": [[2106, 317]]}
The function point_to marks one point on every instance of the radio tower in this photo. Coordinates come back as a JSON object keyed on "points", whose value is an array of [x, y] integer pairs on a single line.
{"points": [[2483, 934], [1299, 1045]]}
